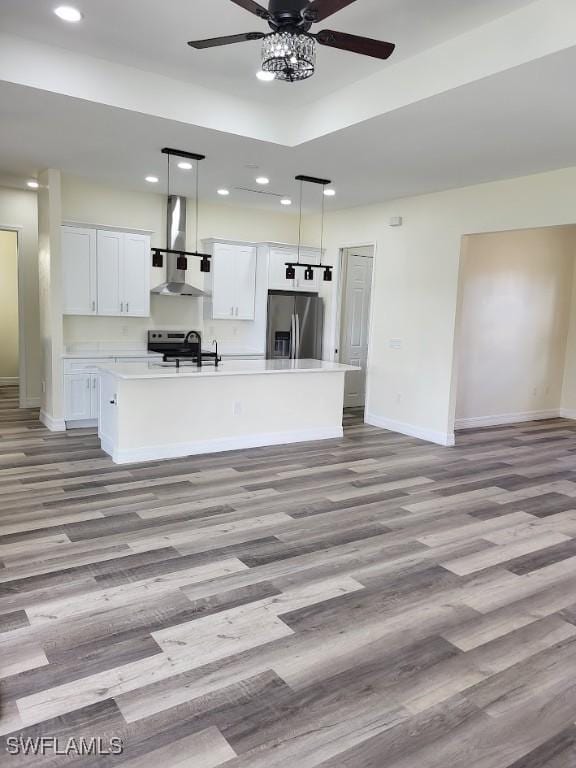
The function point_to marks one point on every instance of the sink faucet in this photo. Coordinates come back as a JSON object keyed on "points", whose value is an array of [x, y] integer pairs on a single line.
{"points": [[199, 339]]}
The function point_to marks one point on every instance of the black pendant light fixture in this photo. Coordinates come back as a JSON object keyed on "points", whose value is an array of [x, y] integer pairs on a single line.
{"points": [[309, 268], [182, 260]]}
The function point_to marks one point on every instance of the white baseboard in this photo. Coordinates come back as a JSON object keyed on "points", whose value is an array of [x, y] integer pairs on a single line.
{"points": [[81, 423], [178, 450], [9, 381], [30, 402], [500, 419], [567, 413], [54, 425], [430, 435]]}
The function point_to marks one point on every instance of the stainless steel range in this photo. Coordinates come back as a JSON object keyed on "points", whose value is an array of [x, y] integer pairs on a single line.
{"points": [[181, 348]]}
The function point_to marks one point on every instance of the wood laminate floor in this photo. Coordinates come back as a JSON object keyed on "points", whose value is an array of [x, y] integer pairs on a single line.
{"points": [[370, 602]]}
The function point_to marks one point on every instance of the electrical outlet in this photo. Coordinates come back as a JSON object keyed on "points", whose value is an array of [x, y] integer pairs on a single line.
{"points": [[237, 408]]}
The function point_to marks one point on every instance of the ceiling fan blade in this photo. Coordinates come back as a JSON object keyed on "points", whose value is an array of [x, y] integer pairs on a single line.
{"points": [[253, 7], [378, 49], [318, 10], [213, 42]]}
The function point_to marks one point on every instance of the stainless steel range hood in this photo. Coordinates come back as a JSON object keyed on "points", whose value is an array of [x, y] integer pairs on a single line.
{"points": [[176, 284]]}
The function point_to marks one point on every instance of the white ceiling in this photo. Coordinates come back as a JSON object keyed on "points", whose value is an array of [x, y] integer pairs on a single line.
{"points": [[518, 122], [152, 36], [495, 102]]}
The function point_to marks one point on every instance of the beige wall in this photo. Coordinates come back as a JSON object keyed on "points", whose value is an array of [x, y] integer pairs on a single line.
{"points": [[410, 389], [18, 209], [95, 204], [8, 307], [513, 324]]}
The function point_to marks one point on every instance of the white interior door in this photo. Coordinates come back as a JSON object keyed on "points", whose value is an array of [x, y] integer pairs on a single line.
{"points": [[245, 281], [355, 325], [135, 275], [79, 271], [110, 247]]}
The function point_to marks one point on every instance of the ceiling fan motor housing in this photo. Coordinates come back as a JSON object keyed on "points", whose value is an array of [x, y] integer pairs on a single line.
{"points": [[287, 15]]}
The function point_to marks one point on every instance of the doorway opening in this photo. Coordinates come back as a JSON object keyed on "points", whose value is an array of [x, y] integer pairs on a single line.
{"points": [[357, 269], [516, 328], [9, 316]]}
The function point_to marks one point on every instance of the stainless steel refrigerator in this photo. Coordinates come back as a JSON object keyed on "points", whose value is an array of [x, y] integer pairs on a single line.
{"points": [[295, 325]]}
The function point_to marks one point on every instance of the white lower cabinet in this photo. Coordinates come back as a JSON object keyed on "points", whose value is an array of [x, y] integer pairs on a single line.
{"points": [[82, 396], [82, 385]]}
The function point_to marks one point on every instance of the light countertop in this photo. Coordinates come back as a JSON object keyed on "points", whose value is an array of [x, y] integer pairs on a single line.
{"points": [[96, 352], [226, 368], [91, 353]]}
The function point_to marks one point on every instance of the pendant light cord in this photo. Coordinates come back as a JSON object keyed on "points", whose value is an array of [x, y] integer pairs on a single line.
{"points": [[197, 198], [300, 221], [168, 163], [322, 225]]}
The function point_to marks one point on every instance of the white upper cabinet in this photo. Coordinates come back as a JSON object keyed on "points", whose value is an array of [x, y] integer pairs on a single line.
{"points": [[105, 273], [110, 248], [277, 258], [79, 271], [277, 270], [135, 276], [233, 282]]}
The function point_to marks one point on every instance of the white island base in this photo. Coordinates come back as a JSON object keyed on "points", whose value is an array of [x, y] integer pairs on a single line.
{"points": [[149, 412]]}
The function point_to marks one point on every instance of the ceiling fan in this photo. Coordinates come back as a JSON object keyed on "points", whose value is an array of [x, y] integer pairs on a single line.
{"points": [[289, 51]]}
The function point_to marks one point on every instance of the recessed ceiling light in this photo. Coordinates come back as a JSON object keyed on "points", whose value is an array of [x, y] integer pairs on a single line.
{"points": [[286, 201], [224, 192], [329, 192], [263, 180], [184, 166], [152, 179], [265, 77], [33, 184], [67, 13]]}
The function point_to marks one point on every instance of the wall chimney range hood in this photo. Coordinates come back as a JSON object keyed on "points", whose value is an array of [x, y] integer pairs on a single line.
{"points": [[175, 251]]}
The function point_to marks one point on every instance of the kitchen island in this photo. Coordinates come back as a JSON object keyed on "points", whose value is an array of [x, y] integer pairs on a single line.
{"points": [[150, 411]]}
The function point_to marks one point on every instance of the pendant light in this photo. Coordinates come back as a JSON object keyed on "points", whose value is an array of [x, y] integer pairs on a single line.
{"points": [[309, 268], [182, 256]]}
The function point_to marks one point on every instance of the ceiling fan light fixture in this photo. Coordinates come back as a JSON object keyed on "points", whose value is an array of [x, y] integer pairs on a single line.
{"points": [[290, 56]]}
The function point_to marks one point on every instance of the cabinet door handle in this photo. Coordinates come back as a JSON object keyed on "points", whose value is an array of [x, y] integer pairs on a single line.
{"points": [[127, 306], [232, 311], [93, 306], [121, 306], [88, 383], [236, 311], [94, 383]]}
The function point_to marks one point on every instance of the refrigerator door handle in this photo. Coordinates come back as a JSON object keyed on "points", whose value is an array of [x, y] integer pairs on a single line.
{"points": [[297, 355], [292, 337]]}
